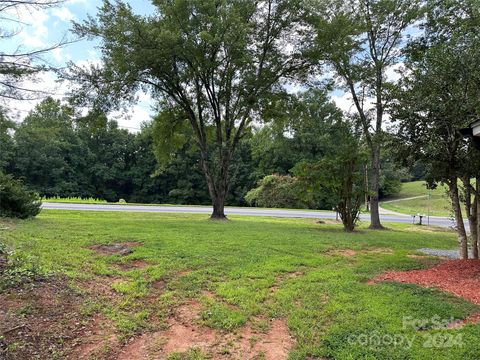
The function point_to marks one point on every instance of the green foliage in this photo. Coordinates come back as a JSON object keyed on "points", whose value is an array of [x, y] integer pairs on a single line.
{"points": [[391, 178], [18, 268], [297, 130], [15, 200], [6, 141], [170, 132], [62, 156], [192, 354], [276, 191], [48, 153], [109, 154], [438, 95], [340, 174]]}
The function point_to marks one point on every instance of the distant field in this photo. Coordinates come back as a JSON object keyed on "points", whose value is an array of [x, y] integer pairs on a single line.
{"points": [[418, 188], [436, 205]]}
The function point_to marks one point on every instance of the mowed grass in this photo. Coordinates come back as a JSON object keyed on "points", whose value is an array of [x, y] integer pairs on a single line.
{"points": [[328, 306], [74, 200], [437, 204], [418, 188]]}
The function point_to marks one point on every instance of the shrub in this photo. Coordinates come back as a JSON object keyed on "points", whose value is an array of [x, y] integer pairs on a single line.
{"points": [[16, 200], [276, 191]]}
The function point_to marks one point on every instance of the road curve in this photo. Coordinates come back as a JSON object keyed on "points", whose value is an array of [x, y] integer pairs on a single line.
{"points": [[246, 211]]}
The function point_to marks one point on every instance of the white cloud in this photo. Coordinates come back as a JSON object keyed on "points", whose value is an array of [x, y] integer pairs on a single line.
{"points": [[394, 73], [45, 85], [344, 102], [33, 30], [139, 113], [57, 54], [63, 14]]}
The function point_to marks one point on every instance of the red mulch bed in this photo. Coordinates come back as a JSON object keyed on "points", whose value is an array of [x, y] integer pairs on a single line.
{"points": [[459, 277]]}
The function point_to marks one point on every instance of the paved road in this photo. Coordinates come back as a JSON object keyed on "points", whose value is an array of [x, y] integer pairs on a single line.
{"points": [[439, 221]]}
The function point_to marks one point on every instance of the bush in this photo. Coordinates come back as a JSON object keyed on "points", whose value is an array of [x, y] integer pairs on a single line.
{"points": [[276, 191], [15, 200]]}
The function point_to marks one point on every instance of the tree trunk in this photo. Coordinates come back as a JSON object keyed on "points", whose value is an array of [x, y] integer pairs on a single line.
{"points": [[462, 235], [217, 185], [476, 239], [375, 187], [218, 208], [473, 222], [471, 213], [218, 193]]}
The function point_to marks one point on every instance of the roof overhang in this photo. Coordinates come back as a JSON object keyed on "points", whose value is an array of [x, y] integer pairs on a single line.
{"points": [[475, 126]]}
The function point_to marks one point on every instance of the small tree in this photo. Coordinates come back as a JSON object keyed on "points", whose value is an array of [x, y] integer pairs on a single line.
{"points": [[339, 173], [15, 200]]}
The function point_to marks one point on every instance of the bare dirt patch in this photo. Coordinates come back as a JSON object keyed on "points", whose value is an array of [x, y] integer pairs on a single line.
{"points": [[131, 265], [159, 284], [344, 253], [182, 334], [185, 272], [351, 252], [378, 251], [100, 287], [414, 256], [40, 321], [472, 319], [458, 277], [98, 342], [280, 279], [185, 332], [273, 345], [122, 249]]}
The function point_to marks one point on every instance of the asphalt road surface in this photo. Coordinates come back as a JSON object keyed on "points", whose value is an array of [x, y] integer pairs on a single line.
{"points": [[437, 221]]}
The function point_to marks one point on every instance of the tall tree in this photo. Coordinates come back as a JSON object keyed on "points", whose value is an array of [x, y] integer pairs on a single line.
{"points": [[360, 40], [212, 62], [438, 97]]}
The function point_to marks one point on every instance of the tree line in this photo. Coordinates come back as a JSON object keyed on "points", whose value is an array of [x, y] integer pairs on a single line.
{"points": [[60, 154]]}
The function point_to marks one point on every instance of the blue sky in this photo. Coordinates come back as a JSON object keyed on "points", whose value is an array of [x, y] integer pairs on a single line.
{"points": [[40, 28]]}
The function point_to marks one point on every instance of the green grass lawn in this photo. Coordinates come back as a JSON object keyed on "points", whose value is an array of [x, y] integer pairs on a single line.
{"points": [[418, 188], [255, 269], [437, 204], [75, 200]]}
